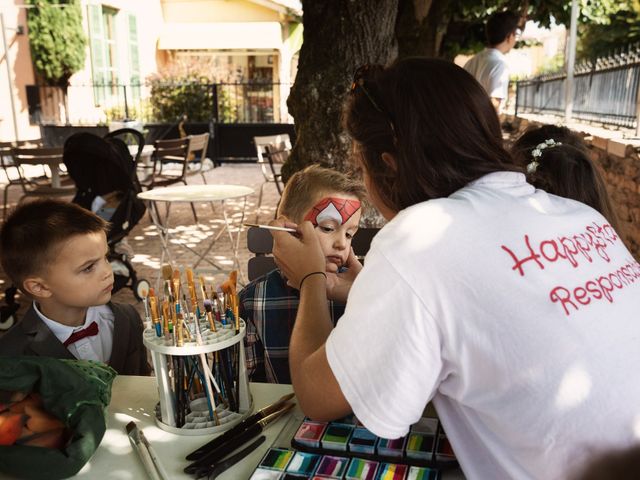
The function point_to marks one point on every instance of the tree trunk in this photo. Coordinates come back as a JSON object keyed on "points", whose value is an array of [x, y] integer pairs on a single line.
{"points": [[421, 27], [339, 36]]}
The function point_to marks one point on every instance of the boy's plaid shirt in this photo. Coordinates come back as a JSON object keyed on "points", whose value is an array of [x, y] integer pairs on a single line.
{"points": [[269, 306]]}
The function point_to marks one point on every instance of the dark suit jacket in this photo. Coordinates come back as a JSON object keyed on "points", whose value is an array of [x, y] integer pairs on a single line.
{"points": [[31, 336]]}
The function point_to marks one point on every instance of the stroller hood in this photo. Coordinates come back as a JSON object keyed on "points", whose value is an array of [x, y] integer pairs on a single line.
{"points": [[100, 166]]}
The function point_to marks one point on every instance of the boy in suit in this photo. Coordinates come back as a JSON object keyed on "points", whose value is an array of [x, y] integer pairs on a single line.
{"points": [[56, 253], [330, 200]]}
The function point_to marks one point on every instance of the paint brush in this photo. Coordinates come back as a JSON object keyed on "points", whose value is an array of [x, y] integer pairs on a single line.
{"points": [[153, 306], [240, 427], [154, 456], [191, 285], [230, 461], [206, 371], [134, 437], [177, 319], [208, 308], [145, 303], [209, 460], [269, 227], [206, 303]]}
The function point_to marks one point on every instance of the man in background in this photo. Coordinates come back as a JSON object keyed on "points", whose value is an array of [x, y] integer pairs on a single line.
{"points": [[489, 67]]}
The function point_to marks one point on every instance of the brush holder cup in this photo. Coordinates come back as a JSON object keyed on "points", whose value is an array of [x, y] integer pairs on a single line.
{"points": [[185, 406]]}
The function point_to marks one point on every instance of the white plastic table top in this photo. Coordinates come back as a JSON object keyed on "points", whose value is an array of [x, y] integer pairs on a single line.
{"points": [[196, 193], [134, 399]]}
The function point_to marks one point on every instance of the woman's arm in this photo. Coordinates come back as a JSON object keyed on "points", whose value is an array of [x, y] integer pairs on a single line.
{"points": [[316, 387]]}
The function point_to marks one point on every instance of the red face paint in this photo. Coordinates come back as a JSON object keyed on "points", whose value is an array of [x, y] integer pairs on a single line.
{"points": [[333, 208]]}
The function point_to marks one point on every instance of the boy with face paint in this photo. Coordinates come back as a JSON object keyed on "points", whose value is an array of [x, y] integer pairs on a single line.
{"points": [[331, 201]]}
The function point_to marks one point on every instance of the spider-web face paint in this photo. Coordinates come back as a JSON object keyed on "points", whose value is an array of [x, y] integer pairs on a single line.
{"points": [[332, 208]]}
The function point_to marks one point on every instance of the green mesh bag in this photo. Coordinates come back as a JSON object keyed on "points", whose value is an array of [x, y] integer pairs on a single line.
{"points": [[75, 391]]}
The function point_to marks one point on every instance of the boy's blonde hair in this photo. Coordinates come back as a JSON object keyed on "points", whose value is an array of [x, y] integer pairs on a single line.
{"points": [[305, 188]]}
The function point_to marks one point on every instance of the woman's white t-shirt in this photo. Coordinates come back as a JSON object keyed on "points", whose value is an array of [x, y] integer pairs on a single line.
{"points": [[516, 311]]}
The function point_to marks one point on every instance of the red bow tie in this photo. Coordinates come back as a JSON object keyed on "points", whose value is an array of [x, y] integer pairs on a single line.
{"points": [[90, 331]]}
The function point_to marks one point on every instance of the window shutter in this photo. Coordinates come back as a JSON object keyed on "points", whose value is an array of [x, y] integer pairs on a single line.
{"points": [[98, 50], [134, 58]]}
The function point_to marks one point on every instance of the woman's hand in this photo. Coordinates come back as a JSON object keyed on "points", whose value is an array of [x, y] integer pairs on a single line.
{"points": [[339, 284], [299, 255]]}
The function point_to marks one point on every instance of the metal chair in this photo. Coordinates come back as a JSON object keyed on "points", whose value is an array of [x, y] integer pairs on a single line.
{"points": [[174, 151], [272, 151], [9, 167], [51, 185], [198, 149]]}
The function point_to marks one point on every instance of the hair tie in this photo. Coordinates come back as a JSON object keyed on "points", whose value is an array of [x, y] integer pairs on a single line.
{"points": [[536, 153], [308, 275]]}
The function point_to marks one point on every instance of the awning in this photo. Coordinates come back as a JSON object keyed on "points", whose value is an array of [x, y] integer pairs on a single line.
{"points": [[221, 36]]}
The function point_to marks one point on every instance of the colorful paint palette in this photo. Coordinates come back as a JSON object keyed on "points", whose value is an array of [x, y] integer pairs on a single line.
{"points": [[346, 450], [331, 467], [277, 459], [336, 436], [360, 469], [445, 451], [420, 445], [285, 464], [426, 445], [362, 441], [421, 473], [264, 474], [392, 471], [310, 433], [425, 425], [391, 448], [303, 463]]}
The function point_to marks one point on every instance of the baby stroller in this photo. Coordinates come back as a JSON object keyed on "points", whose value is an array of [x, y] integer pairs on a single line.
{"points": [[105, 176]]}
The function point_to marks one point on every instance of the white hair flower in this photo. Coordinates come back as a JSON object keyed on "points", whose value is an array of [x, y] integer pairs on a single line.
{"points": [[536, 154]]}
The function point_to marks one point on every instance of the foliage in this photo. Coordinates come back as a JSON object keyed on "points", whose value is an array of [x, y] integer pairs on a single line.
{"points": [[141, 112], [612, 33], [552, 65], [58, 43], [175, 97], [186, 87], [463, 23]]}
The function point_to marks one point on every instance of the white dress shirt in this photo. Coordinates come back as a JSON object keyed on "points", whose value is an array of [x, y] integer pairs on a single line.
{"points": [[97, 347]]}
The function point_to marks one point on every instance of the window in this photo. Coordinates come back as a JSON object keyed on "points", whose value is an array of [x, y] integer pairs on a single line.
{"points": [[115, 61]]}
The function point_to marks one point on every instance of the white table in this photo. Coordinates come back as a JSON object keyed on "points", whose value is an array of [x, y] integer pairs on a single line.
{"points": [[191, 194], [134, 398]]}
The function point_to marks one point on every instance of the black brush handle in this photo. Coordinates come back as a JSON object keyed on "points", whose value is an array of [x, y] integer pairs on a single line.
{"points": [[225, 437], [208, 461], [229, 462], [228, 386]]}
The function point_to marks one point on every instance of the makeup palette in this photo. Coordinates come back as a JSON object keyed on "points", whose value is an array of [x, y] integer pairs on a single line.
{"points": [[301, 465], [344, 449], [426, 444]]}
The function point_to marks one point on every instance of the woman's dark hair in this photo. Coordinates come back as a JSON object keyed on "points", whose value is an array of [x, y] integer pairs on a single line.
{"points": [[612, 465], [565, 170], [436, 121]]}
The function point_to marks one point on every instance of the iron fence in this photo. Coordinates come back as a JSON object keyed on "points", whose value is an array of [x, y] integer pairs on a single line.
{"points": [[154, 102], [605, 91]]}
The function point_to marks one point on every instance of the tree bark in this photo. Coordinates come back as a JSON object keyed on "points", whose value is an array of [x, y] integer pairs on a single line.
{"points": [[339, 36], [421, 27]]}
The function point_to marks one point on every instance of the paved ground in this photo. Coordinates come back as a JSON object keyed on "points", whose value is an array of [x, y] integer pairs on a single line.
{"points": [[146, 244]]}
